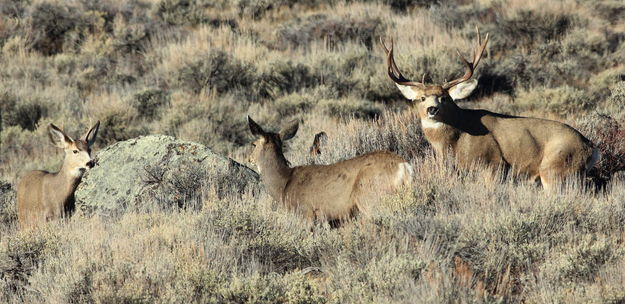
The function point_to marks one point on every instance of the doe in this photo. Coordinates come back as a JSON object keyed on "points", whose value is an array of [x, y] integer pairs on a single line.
{"points": [[43, 196], [333, 192]]}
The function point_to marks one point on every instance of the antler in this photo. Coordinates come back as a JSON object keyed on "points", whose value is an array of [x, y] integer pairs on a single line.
{"points": [[477, 55], [394, 72]]}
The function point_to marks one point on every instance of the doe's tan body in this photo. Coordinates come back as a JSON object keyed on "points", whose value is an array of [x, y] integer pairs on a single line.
{"points": [[44, 196], [341, 189], [330, 192]]}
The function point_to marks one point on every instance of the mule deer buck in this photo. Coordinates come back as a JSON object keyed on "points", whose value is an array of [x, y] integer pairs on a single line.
{"points": [[541, 149], [325, 192], [43, 196]]}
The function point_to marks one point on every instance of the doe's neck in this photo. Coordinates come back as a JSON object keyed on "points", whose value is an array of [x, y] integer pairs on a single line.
{"points": [[68, 176], [274, 171]]}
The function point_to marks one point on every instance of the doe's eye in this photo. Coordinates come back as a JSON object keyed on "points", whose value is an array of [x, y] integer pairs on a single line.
{"points": [[422, 98], [254, 145], [75, 151]]}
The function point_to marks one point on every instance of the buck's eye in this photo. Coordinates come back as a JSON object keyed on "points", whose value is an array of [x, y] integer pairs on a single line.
{"points": [[254, 145], [75, 151], [422, 98]]}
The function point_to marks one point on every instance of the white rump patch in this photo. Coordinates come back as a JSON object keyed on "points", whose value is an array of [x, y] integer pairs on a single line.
{"points": [[431, 124], [404, 174]]}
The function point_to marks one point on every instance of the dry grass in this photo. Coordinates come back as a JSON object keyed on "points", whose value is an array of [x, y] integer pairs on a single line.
{"points": [[194, 69]]}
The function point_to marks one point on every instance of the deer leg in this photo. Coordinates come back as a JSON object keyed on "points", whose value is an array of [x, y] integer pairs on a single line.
{"points": [[547, 181], [551, 173], [563, 164]]}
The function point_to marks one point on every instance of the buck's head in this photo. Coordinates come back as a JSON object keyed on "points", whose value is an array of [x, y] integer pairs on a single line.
{"points": [[268, 144], [77, 151], [435, 102]]}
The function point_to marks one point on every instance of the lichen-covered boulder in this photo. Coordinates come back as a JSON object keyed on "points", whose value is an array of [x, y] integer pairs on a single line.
{"points": [[158, 172]]}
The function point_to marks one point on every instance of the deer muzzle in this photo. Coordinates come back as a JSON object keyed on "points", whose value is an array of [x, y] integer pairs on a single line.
{"points": [[432, 111], [90, 164]]}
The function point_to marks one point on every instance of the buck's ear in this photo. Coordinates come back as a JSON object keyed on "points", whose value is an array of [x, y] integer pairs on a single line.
{"points": [[254, 127], [58, 137], [289, 131], [92, 133], [463, 89], [410, 92]]}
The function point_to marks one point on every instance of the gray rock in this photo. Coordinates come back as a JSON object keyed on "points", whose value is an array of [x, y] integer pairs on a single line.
{"points": [[158, 172]]}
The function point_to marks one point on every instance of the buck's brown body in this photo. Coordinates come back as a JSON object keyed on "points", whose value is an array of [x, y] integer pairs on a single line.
{"points": [[43, 196], [534, 147], [331, 192], [539, 148]]}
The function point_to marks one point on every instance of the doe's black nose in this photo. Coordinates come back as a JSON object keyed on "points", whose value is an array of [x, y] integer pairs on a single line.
{"points": [[90, 164]]}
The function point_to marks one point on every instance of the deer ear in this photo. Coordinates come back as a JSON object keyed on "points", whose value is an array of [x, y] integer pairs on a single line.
{"points": [[410, 92], [254, 127], [58, 137], [463, 89], [320, 139], [92, 133], [289, 131]]}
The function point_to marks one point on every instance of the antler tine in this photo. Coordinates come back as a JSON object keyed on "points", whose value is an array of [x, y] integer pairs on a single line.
{"points": [[390, 62], [480, 50], [477, 55], [393, 71]]}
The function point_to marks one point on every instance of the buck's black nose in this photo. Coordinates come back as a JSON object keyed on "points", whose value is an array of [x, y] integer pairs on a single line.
{"points": [[432, 111], [90, 164]]}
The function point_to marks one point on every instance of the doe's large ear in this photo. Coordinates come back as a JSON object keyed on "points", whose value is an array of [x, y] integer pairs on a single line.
{"points": [[58, 137], [92, 133], [254, 127], [463, 89], [289, 131]]}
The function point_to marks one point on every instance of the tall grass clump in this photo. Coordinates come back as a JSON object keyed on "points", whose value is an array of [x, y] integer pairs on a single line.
{"points": [[333, 31], [218, 71]]}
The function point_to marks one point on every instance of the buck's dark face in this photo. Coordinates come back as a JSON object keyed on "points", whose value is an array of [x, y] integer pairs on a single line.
{"points": [[432, 103]]}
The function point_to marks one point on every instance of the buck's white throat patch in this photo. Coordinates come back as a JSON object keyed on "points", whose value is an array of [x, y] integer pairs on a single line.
{"points": [[430, 124]]}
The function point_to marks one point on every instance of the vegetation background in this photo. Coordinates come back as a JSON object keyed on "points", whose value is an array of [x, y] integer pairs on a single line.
{"points": [[193, 69]]}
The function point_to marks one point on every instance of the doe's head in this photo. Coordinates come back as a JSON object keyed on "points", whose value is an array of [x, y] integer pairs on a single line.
{"points": [[268, 142], [77, 151]]}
